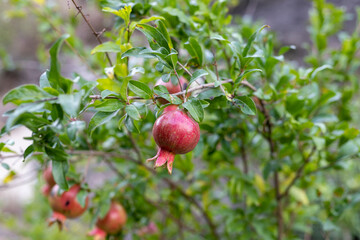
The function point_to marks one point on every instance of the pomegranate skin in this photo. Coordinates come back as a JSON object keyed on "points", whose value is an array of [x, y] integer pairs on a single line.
{"points": [[170, 108], [175, 133], [66, 203], [114, 220], [45, 190], [172, 89], [97, 234], [48, 176]]}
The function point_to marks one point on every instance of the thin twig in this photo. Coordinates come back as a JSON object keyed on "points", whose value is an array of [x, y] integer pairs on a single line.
{"points": [[96, 34], [217, 73], [176, 186], [59, 33], [298, 173], [185, 69], [97, 97]]}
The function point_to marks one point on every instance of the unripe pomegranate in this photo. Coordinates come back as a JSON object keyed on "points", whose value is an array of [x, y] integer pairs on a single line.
{"points": [[48, 176], [175, 133], [114, 220], [173, 88]]}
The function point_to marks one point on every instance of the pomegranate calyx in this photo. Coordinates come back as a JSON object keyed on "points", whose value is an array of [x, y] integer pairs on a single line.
{"points": [[163, 157], [57, 218]]}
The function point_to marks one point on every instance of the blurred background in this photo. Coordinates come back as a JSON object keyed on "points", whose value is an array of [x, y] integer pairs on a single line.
{"points": [[24, 40]]}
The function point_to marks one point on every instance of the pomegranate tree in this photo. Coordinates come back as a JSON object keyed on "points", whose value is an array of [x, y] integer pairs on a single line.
{"points": [[175, 133], [172, 88], [114, 220], [66, 205]]}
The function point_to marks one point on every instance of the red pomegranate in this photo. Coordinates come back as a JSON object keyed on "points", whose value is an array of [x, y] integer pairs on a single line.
{"points": [[98, 234], [170, 108], [65, 205], [172, 88], [48, 176], [175, 133], [114, 220], [46, 190], [150, 229]]}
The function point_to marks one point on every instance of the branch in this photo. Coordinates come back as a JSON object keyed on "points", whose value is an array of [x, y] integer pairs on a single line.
{"points": [[96, 97], [217, 73], [156, 205], [172, 184], [97, 35], [298, 174]]}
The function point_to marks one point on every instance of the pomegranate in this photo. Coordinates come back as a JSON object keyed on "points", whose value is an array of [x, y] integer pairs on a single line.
{"points": [[46, 190], [65, 205], [170, 108], [173, 88], [150, 229], [98, 234], [114, 220], [48, 176], [175, 133]]}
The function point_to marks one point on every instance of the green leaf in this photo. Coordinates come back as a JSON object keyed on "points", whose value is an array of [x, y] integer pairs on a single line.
{"points": [[246, 104], [24, 111], [136, 52], [124, 13], [251, 40], [347, 150], [216, 36], [133, 112], [108, 84], [145, 20], [140, 89], [195, 50], [28, 151], [285, 49], [54, 77], [73, 128], [2, 145], [131, 124], [59, 169], [196, 75], [123, 89], [136, 70], [195, 109], [104, 208], [44, 81], [107, 93], [162, 92], [5, 166], [161, 26], [81, 197], [109, 105], [319, 69], [106, 47], [25, 93], [70, 103], [245, 74], [100, 118], [154, 36]]}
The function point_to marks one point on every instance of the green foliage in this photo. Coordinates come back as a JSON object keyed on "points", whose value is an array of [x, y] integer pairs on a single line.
{"points": [[275, 138]]}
